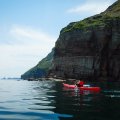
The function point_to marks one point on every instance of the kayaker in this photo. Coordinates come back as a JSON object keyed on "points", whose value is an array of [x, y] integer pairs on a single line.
{"points": [[80, 83]]}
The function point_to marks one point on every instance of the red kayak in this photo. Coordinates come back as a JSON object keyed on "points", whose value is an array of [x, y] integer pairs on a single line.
{"points": [[82, 88]]}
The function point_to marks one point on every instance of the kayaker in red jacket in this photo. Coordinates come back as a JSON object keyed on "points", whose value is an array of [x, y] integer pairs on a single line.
{"points": [[80, 83]]}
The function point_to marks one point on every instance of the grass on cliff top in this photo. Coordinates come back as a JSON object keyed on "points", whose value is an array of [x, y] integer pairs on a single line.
{"points": [[98, 20], [113, 10], [91, 22], [88, 22]]}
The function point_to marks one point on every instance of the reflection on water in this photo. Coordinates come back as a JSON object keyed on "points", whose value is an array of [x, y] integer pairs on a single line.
{"points": [[48, 100]]}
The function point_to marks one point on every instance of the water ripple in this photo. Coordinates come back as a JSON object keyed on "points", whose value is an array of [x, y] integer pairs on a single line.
{"points": [[34, 115], [48, 100]]}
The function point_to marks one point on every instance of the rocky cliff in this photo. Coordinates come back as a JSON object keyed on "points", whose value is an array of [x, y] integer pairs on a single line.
{"points": [[85, 49], [89, 48]]}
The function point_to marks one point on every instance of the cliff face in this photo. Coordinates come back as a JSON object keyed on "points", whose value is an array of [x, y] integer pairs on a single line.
{"points": [[41, 69], [89, 48], [84, 49]]}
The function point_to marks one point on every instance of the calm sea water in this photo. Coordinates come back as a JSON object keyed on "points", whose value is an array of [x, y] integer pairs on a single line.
{"points": [[48, 100]]}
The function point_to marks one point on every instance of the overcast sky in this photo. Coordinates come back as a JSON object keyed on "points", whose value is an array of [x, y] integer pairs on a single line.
{"points": [[29, 29]]}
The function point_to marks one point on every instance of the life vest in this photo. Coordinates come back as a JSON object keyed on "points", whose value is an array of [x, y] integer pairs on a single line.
{"points": [[80, 84]]}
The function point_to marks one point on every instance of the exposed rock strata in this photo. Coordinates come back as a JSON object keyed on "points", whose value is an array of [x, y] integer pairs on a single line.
{"points": [[89, 48]]}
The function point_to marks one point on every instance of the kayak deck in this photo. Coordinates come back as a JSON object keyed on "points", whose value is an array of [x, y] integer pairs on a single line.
{"points": [[82, 88], [69, 86]]}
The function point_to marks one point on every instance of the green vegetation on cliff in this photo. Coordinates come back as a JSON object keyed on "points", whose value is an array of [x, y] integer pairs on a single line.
{"points": [[113, 10], [45, 63], [98, 20], [41, 69], [88, 22]]}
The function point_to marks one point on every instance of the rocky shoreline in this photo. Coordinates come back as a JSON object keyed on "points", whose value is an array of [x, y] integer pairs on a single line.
{"points": [[46, 79]]}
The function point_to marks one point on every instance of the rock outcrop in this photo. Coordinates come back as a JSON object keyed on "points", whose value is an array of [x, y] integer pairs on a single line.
{"points": [[89, 48]]}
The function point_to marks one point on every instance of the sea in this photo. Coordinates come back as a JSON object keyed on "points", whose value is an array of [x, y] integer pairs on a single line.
{"points": [[49, 100]]}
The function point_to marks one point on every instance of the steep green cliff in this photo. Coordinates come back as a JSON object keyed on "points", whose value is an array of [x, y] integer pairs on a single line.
{"points": [[41, 69]]}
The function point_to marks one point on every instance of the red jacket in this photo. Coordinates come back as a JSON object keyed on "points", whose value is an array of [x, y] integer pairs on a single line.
{"points": [[80, 83]]}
